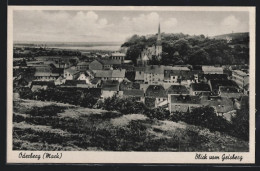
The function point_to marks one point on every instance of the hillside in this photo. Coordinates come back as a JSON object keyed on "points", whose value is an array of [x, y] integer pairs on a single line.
{"points": [[193, 50], [50, 126], [233, 36]]}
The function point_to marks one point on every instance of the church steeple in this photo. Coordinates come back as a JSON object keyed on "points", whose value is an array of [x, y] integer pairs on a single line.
{"points": [[159, 33]]}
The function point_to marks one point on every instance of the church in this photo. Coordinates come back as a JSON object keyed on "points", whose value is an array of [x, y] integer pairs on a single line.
{"points": [[149, 52]]}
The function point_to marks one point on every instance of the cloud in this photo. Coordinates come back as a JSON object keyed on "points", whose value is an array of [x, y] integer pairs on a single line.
{"points": [[147, 23], [85, 26], [58, 25], [230, 21]]}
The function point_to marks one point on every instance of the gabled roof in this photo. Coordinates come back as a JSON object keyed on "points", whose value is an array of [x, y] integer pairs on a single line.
{"points": [[241, 73], [155, 91], [72, 71], [83, 63], [126, 85], [103, 73], [95, 81], [177, 89], [215, 76], [154, 69], [74, 82], [221, 104], [176, 68], [185, 99], [111, 62], [200, 87], [46, 74], [110, 73], [216, 83], [212, 69], [42, 83], [118, 73], [133, 93], [110, 85], [227, 89]]}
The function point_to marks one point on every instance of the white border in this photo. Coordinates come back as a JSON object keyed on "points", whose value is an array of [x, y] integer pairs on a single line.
{"points": [[129, 157]]}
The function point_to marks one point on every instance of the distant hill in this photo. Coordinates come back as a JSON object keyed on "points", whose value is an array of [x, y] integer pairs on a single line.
{"points": [[233, 36]]}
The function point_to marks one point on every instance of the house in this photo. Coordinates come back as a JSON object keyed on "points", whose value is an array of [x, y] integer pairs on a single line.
{"points": [[37, 85], [60, 80], [84, 76], [96, 65], [82, 66], [110, 74], [176, 90], [229, 92], [222, 105], [134, 93], [139, 74], [110, 63], [208, 77], [183, 103], [197, 72], [71, 74], [215, 84], [128, 85], [110, 88], [179, 74], [95, 83], [199, 89], [212, 70], [153, 74], [240, 77], [118, 56], [46, 76], [158, 93], [75, 83]]}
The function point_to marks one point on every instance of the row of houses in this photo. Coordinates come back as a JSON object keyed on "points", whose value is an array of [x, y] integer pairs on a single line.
{"points": [[176, 88]]}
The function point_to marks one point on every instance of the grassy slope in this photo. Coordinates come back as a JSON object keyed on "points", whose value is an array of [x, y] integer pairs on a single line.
{"points": [[93, 129]]}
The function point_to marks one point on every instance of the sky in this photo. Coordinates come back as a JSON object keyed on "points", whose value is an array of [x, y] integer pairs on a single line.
{"points": [[117, 26]]}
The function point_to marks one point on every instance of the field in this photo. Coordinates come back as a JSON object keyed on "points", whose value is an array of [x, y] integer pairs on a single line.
{"points": [[54, 126]]}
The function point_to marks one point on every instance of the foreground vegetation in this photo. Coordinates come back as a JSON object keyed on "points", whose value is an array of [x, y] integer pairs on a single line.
{"points": [[42, 125], [202, 116]]}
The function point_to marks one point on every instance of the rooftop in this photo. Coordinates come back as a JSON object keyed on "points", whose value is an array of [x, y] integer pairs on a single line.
{"points": [[215, 76], [46, 74], [155, 91], [221, 104], [134, 93], [177, 89], [110, 73], [241, 73], [212, 69], [155, 69], [200, 87], [71, 71], [83, 63], [110, 85], [185, 99], [117, 54], [110, 62], [48, 83], [216, 83], [74, 82]]}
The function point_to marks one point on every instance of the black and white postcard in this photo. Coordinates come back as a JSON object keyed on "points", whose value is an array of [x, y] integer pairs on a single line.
{"points": [[129, 84]]}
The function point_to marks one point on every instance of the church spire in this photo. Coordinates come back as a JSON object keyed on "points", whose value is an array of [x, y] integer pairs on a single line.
{"points": [[159, 33]]}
